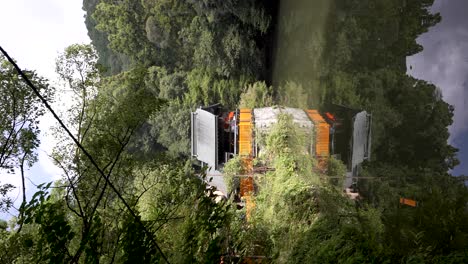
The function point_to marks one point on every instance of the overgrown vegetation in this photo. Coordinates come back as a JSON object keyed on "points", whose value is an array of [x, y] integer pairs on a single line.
{"points": [[299, 218], [152, 62]]}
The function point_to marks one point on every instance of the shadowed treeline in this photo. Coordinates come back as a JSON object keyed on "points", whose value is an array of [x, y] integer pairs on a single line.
{"points": [[299, 59]]}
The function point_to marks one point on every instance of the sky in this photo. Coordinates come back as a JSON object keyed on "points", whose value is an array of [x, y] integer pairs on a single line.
{"points": [[444, 62], [34, 32]]}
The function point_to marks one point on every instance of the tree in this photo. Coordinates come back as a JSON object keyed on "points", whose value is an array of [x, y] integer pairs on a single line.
{"points": [[255, 95], [167, 194], [103, 119], [166, 85], [171, 128], [124, 22], [77, 67], [20, 113]]}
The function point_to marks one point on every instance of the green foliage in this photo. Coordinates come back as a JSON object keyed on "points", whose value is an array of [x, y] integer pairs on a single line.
{"points": [[280, 199], [124, 23], [223, 37], [285, 138], [80, 73], [294, 95], [188, 223], [193, 53], [136, 244], [419, 232], [108, 121], [427, 145], [336, 168], [297, 219], [356, 56], [348, 236], [164, 58], [171, 128], [231, 171], [256, 95], [207, 88], [168, 86], [126, 97], [110, 60], [78, 67], [54, 231], [16, 247], [175, 33], [5, 201], [20, 111], [3, 225]]}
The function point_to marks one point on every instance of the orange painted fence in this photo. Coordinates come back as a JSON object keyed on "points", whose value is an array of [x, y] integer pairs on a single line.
{"points": [[408, 202]]}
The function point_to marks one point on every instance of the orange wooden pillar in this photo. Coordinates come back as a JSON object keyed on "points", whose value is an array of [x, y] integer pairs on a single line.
{"points": [[322, 139], [246, 154]]}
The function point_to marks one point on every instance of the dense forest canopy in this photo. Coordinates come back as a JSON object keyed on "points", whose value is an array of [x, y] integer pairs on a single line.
{"points": [[151, 62]]}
